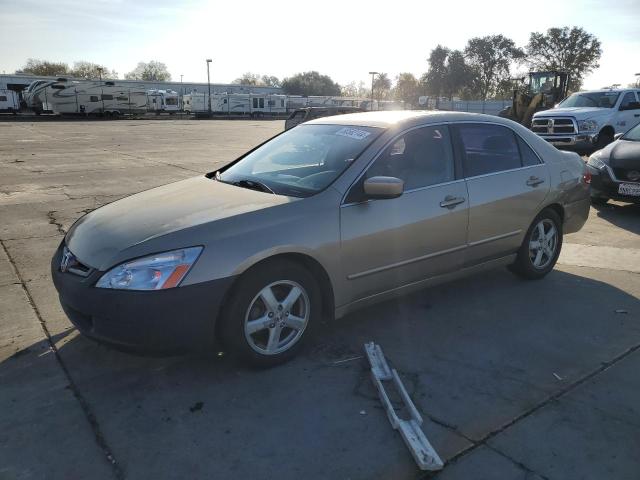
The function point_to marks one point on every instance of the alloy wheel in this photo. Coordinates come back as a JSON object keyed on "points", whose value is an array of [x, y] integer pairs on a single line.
{"points": [[277, 317], [543, 243]]}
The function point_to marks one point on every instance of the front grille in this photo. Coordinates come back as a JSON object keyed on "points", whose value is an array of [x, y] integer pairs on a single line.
{"points": [[554, 126], [625, 174], [69, 263]]}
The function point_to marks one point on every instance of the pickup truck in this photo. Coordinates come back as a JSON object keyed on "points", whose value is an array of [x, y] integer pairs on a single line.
{"points": [[587, 121]]}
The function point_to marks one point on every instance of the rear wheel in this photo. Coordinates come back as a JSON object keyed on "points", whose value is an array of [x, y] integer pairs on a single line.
{"points": [[272, 309], [541, 246]]}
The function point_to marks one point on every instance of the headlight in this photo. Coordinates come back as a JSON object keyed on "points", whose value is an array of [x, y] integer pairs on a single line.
{"points": [[595, 162], [155, 272], [587, 125]]}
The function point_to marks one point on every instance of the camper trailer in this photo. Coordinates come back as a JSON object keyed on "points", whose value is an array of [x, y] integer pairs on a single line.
{"points": [[36, 95], [252, 104], [99, 98], [159, 101], [9, 102]]}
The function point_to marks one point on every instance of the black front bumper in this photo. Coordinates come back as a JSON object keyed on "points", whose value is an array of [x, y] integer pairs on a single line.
{"points": [[604, 186], [176, 319]]}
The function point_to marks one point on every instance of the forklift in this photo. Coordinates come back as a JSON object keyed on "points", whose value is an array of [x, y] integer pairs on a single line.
{"points": [[543, 91]]}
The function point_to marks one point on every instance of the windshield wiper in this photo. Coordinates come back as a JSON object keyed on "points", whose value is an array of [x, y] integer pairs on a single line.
{"points": [[253, 185], [246, 183]]}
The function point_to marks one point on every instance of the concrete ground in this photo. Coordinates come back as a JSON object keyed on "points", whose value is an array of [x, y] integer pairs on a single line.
{"points": [[515, 379]]}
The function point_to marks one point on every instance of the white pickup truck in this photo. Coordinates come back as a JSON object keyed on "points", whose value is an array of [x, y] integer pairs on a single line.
{"points": [[587, 121]]}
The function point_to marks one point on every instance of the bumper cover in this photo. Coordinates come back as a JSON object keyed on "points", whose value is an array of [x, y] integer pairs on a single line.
{"points": [[581, 141], [604, 184], [172, 320]]}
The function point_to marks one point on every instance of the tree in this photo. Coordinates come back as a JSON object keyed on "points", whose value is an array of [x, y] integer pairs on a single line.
{"points": [[458, 75], [248, 79], [382, 86], [270, 81], [91, 71], [490, 58], [152, 70], [572, 50], [353, 89], [45, 68], [435, 78], [407, 89], [310, 83]]}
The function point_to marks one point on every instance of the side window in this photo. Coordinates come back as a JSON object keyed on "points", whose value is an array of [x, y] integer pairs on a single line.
{"points": [[529, 157], [93, 98], [110, 97], [262, 103], [255, 103], [3, 98], [421, 157], [628, 98], [488, 148]]}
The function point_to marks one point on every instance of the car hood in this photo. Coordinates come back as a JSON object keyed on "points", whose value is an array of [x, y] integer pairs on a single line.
{"points": [[577, 112], [622, 154], [99, 236]]}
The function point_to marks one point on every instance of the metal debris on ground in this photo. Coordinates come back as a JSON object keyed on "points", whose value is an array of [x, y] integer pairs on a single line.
{"points": [[621, 310], [345, 360], [422, 451], [557, 376]]}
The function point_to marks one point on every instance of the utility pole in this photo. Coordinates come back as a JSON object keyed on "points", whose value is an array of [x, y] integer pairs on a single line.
{"points": [[209, 85], [373, 75], [100, 73]]}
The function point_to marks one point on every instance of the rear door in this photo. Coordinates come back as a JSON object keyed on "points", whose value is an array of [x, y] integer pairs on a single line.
{"points": [[389, 243], [507, 183]]}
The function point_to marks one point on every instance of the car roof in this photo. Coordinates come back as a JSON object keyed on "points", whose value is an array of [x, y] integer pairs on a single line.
{"points": [[392, 118], [610, 90]]}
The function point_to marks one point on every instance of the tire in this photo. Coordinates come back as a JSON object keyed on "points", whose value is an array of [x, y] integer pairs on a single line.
{"points": [[273, 341], [534, 260], [604, 139]]}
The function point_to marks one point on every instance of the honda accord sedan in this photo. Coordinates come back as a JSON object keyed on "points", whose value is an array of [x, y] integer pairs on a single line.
{"points": [[325, 218], [615, 170]]}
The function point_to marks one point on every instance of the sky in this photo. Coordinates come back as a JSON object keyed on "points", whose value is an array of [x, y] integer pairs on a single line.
{"points": [[344, 40]]}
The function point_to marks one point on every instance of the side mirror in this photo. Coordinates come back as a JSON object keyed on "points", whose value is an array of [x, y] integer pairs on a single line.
{"points": [[383, 187], [617, 136]]}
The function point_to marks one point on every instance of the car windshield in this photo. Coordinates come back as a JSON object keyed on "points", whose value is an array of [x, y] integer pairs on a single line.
{"points": [[591, 99], [633, 134], [301, 161]]}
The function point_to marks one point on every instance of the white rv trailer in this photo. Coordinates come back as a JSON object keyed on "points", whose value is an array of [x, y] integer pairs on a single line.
{"points": [[9, 101], [96, 98], [253, 104], [163, 101], [35, 95]]}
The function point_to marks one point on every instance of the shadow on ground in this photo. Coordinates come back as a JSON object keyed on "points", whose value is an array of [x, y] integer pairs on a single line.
{"points": [[623, 215], [475, 355]]}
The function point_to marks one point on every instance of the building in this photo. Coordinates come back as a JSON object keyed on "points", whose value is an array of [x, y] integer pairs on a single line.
{"points": [[17, 82]]}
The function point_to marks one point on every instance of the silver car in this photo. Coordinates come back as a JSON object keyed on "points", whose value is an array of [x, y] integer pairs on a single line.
{"points": [[328, 217]]}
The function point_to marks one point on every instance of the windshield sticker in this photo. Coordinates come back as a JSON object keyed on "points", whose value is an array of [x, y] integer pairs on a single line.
{"points": [[353, 133]]}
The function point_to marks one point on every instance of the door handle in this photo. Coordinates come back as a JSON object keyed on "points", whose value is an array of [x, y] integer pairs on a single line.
{"points": [[534, 181], [450, 201]]}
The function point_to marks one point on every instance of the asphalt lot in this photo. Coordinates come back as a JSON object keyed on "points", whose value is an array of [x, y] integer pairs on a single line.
{"points": [[515, 379]]}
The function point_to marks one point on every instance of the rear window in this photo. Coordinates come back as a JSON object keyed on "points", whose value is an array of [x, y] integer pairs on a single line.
{"points": [[488, 148], [3, 98]]}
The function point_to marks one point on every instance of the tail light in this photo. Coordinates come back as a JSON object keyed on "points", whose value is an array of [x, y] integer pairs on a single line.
{"points": [[586, 177]]}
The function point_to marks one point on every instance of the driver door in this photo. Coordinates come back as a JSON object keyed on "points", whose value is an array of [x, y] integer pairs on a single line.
{"points": [[386, 244]]}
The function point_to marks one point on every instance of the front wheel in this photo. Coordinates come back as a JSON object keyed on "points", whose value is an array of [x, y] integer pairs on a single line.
{"points": [[271, 311], [540, 248]]}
